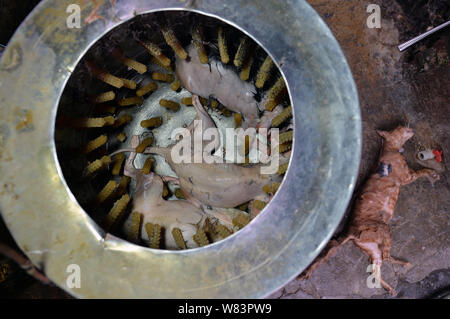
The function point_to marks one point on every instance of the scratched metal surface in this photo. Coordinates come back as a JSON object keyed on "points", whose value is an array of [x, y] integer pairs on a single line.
{"points": [[53, 230]]}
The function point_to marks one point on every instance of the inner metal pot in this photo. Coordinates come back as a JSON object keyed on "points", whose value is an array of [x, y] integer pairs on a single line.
{"points": [[54, 231]]}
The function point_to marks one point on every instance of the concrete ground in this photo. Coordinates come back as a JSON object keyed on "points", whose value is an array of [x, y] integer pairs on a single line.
{"points": [[394, 88]]}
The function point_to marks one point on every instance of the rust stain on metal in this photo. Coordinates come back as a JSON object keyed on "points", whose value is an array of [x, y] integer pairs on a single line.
{"points": [[93, 16], [12, 57], [25, 121]]}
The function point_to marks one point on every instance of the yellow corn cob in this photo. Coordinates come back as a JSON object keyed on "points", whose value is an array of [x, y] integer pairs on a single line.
{"points": [[277, 91], [245, 72], [95, 143], [163, 77], [223, 48], [106, 191], [135, 226], [197, 38], [179, 194], [179, 240], [243, 207], [122, 188], [139, 67], [155, 51], [271, 188], [152, 123], [176, 85], [111, 80], [121, 137], [135, 65], [226, 112], [104, 76], [152, 48], [285, 147], [172, 41], [238, 119], [160, 63], [129, 84], [286, 136], [165, 191], [200, 238], [97, 165], [154, 234], [241, 52], [149, 230], [264, 72], [246, 144], [283, 116], [241, 220], [171, 105], [116, 211], [122, 120], [93, 122], [147, 166], [259, 204], [282, 169], [118, 161], [223, 231], [203, 101], [144, 144], [25, 120], [131, 101], [209, 229], [104, 97], [214, 104], [152, 86], [187, 101]]}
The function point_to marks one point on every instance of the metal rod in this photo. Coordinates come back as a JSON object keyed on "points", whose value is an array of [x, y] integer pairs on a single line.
{"points": [[407, 44]]}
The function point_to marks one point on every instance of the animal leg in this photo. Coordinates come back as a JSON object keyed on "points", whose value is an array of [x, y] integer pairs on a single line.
{"points": [[376, 257], [399, 262], [327, 252], [174, 180], [192, 200], [190, 127], [129, 169], [201, 112], [413, 175], [268, 116], [387, 256], [376, 272], [207, 123], [23, 263]]}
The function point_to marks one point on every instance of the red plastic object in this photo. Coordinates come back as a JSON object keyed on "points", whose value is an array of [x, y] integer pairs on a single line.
{"points": [[437, 155]]}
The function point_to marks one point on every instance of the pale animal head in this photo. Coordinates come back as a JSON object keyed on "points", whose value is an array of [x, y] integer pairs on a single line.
{"points": [[396, 138]]}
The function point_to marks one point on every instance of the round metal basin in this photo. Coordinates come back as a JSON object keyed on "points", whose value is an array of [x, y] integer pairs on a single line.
{"points": [[54, 231]]}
